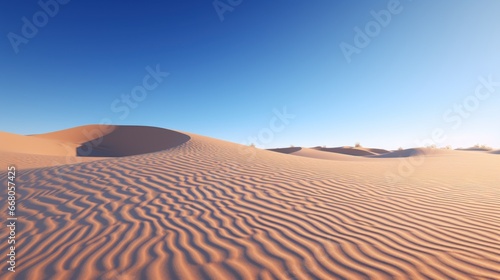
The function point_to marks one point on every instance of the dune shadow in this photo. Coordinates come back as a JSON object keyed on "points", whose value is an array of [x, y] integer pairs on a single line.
{"points": [[286, 150], [131, 140], [347, 151], [401, 154], [473, 149]]}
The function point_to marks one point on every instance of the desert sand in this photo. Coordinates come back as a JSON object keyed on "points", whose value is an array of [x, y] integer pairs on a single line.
{"points": [[151, 203]]}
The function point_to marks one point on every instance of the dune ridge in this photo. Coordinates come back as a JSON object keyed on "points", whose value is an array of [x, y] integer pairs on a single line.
{"points": [[116, 141], [476, 149], [353, 151], [205, 209], [84, 144], [315, 153], [350, 153], [415, 152]]}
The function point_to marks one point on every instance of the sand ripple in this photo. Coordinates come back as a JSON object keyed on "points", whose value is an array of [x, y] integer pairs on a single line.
{"points": [[201, 210]]}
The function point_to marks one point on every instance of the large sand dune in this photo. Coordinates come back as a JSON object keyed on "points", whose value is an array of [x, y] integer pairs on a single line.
{"points": [[201, 208], [107, 141]]}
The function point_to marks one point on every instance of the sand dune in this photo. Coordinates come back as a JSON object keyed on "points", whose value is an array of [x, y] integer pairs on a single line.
{"points": [[290, 150], [314, 153], [354, 151], [475, 149], [84, 144], [33, 145], [112, 141], [94, 140], [350, 153], [416, 152], [209, 209]]}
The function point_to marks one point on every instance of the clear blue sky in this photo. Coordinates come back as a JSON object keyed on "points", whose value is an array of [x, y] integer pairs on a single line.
{"points": [[226, 77]]}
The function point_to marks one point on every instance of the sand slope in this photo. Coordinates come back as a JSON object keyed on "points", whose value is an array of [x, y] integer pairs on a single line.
{"points": [[33, 145], [416, 152], [209, 209], [349, 153], [353, 151], [314, 153]]}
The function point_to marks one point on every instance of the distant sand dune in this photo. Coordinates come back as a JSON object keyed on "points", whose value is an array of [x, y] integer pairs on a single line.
{"points": [[314, 153], [354, 151], [349, 153], [475, 149], [204, 209], [290, 150], [415, 152]]}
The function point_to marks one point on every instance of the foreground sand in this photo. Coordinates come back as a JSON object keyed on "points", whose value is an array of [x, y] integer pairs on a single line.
{"points": [[209, 209]]}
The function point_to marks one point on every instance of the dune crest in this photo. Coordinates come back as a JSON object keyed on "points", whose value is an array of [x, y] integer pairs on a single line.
{"points": [[353, 151], [415, 152], [315, 153], [477, 148], [95, 141]]}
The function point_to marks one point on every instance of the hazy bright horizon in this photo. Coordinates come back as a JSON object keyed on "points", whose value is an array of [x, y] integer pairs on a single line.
{"points": [[388, 78]]}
